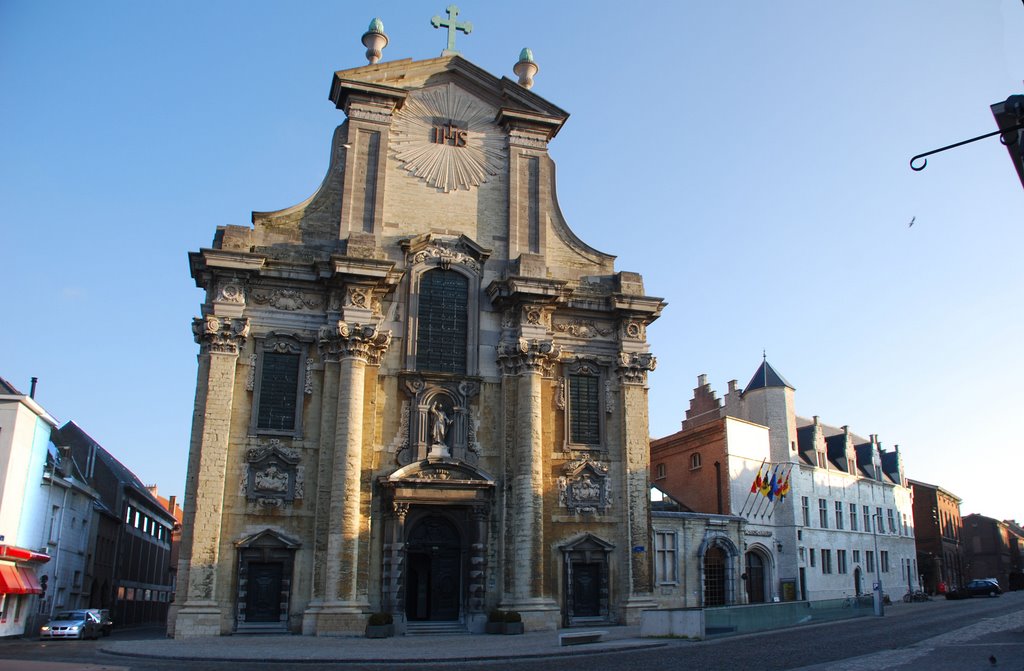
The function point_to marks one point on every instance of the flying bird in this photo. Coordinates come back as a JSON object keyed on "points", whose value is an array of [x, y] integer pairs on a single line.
{"points": [[912, 220]]}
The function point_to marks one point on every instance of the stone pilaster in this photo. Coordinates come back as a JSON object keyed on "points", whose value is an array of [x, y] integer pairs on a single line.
{"points": [[523, 363], [220, 339], [633, 368], [353, 346]]}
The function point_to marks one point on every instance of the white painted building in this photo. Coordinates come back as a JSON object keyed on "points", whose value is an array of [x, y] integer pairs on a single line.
{"points": [[846, 520]]}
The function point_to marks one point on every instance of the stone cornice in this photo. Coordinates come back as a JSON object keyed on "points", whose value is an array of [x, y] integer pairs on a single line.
{"points": [[206, 262], [365, 342], [529, 356], [516, 289], [220, 335]]}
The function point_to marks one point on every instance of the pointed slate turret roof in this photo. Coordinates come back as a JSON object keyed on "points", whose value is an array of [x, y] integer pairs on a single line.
{"points": [[765, 377]]}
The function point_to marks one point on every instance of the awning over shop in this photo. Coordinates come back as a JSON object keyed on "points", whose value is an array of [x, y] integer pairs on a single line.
{"points": [[18, 580]]}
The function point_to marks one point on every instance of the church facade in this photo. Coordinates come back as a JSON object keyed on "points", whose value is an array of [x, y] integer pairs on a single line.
{"points": [[419, 392]]}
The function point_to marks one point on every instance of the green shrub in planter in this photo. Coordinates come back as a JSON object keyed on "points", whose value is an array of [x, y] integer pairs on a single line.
{"points": [[495, 622], [380, 625], [377, 619]]}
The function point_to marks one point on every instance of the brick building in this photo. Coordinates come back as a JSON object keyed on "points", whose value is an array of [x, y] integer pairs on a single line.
{"points": [[938, 529], [419, 391], [993, 549]]}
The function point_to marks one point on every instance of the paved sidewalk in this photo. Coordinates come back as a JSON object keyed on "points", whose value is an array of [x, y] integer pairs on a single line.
{"points": [[396, 650]]}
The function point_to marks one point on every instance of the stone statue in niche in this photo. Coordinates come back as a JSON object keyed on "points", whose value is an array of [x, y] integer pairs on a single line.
{"points": [[437, 420], [439, 424]]}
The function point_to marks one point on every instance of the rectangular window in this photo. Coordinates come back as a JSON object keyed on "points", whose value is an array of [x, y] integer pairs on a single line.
{"points": [[841, 561], [879, 521], [442, 336], [811, 554], [839, 514], [884, 560], [278, 391], [826, 561], [823, 513], [665, 557], [54, 526], [906, 527], [584, 410], [892, 521], [856, 556], [660, 471], [805, 504], [867, 518], [869, 563], [853, 517]]}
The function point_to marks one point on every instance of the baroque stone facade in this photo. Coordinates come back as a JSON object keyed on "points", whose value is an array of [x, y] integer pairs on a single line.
{"points": [[419, 391]]}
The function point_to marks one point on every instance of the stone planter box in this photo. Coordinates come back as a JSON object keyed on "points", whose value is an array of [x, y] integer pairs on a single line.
{"points": [[380, 630], [494, 627], [512, 627]]}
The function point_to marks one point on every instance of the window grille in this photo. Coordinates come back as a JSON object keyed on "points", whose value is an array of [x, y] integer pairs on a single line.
{"points": [[442, 317], [279, 389], [584, 410]]}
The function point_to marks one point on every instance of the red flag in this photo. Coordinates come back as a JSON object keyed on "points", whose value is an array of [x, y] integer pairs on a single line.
{"points": [[757, 482]]}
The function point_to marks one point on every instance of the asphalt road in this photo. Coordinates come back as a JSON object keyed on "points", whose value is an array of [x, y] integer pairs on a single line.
{"points": [[938, 635]]}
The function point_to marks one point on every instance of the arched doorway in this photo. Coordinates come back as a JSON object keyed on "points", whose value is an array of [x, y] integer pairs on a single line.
{"points": [[433, 570], [856, 582], [714, 576], [756, 592]]}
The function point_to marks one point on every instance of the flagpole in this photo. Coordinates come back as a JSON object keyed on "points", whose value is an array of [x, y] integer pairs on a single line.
{"points": [[761, 504], [749, 493], [779, 499]]}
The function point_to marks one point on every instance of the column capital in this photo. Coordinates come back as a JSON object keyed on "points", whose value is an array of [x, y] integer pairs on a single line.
{"points": [[345, 340], [522, 355], [220, 335], [633, 366]]}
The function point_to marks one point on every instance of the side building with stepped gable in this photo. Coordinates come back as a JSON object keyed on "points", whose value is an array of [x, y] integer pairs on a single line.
{"points": [[839, 516]]}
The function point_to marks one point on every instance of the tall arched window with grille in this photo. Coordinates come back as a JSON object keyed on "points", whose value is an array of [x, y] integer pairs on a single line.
{"points": [[441, 325]]}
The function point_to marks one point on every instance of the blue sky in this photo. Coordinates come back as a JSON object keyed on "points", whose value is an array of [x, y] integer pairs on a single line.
{"points": [[749, 158]]}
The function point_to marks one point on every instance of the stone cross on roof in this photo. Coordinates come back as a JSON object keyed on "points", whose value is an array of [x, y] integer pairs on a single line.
{"points": [[452, 25]]}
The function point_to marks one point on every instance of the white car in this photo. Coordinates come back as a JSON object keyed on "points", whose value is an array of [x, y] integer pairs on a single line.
{"points": [[72, 624]]}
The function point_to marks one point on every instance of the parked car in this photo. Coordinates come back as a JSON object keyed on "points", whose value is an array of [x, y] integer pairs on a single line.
{"points": [[78, 624], [106, 624], [983, 587]]}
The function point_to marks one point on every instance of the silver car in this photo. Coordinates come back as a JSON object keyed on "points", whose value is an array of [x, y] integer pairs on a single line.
{"points": [[72, 624]]}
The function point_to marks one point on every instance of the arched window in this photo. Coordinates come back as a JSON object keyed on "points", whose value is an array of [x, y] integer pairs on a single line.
{"points": [[714, 576], [441, 325]]}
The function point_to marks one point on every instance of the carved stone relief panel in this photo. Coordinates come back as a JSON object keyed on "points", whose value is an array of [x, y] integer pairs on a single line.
{"points": [[286, 299], [583, 328], [584, 487], [272, 475]]}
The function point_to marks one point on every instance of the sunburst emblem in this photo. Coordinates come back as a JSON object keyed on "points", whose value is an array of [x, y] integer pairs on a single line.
{"points": [[472, 151]]}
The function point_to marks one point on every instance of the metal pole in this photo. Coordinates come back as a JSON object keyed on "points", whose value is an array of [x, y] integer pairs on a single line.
{"points": [[879, 606]]}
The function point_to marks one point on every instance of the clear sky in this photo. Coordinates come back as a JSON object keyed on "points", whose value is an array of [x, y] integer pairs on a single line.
{"points": [[749, 158]]}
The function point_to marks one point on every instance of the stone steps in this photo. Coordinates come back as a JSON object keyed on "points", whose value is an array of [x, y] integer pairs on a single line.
{"points": [[453, 628]]}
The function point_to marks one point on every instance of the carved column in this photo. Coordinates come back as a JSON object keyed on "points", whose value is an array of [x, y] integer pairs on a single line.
{"points": [[353, 346], [527, 360], [220, 339], [478, 560], [394, 559], [633, 368]]}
